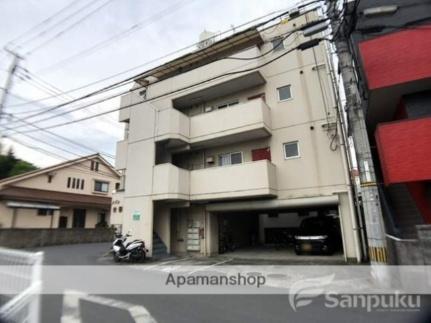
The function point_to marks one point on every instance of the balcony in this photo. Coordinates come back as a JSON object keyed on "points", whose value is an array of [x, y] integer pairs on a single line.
{"points": [[121, 155], [208, 71], [246, 121], [247, 180], [170, 183]]}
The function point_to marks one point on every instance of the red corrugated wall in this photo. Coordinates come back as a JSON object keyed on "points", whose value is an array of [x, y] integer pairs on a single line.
{"points": [[404, 149], [398, 57]]}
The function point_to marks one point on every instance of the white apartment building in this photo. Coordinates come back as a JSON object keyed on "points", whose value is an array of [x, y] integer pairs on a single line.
{"points": [[229, 143]]}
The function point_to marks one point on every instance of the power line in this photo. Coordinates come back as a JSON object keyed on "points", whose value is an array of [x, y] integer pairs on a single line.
{"points": [[113, 86], [44, 22], [113, 110], [60, 33], [45, 86], [300, 47], [61, 137], [131, 79], [109, 41]]}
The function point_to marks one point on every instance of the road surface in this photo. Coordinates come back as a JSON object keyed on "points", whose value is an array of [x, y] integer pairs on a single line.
{"points": [[205, 308]]}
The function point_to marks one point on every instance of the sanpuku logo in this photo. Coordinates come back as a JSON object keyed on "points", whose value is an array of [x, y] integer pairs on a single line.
{"points": [[302, 293]]}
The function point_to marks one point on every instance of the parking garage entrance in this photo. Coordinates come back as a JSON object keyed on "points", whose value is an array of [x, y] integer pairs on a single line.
{"points": [[281, 234]]}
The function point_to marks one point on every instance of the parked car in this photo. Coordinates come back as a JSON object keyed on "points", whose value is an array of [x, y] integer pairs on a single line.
{"points": [[318, 235]]}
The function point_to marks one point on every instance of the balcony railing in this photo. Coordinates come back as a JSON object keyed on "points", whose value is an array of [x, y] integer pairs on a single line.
{"points": [[252, 119], [246, 180], [171, 183]]}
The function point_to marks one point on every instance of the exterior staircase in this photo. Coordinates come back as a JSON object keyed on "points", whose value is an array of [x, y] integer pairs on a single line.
{"points": [[405, 213], [159, 248]]}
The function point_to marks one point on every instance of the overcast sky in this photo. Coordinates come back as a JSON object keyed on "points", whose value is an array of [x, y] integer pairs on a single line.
{"points": [[161, 27]]}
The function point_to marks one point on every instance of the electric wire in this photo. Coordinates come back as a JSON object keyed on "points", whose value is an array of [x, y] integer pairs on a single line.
{"points": [[132, 78], [119, 36], [102, 100], [168, 93], [42, 23]]}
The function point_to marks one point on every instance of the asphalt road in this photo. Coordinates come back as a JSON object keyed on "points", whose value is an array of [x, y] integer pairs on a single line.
{"points": [[207, 308]]}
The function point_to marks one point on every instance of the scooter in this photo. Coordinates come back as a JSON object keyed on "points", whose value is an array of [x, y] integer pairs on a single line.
{"points": [[131, 251]]}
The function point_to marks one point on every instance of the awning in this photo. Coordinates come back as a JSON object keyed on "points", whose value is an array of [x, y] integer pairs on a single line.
{"points": [[24, 205]]}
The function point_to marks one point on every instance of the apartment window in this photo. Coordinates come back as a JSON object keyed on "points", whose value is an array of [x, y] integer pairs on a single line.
{"points": [[277, 44], [230, 159], [68, 182], [50, 178], [114, 210], [291, 150], [120, 209], [284, 93], [117, 186], [227, 104], [92, 165], [82, 184], [78, 182], [96, 167], [73, 182], [100, 186], [43, 212]]}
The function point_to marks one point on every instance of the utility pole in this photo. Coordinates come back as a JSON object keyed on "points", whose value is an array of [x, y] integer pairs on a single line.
{"points": [[377, 247], [8, 85]]}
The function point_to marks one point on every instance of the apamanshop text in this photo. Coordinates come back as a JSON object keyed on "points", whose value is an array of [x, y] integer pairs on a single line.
{"points": [[215, 280]]}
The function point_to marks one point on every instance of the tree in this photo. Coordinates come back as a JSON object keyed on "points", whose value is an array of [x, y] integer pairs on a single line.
{"points": [[11, 166]]}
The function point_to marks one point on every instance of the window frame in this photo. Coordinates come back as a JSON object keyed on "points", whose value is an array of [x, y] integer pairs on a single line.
{"points": [[290, 90], [45, 212], [227, 104], [297, 145], [103, 182], [230, 154]]}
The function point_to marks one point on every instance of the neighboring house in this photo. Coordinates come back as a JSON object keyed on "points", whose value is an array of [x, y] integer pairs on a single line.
{"points": [[243, 157], [73, 194]]}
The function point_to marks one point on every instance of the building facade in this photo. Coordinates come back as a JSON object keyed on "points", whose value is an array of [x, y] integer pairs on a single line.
{"points": [[73, 194], [238, 141], [392, 54]]}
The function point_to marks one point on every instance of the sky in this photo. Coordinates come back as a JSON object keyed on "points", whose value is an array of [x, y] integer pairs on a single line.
{"points": [[142, 31]]}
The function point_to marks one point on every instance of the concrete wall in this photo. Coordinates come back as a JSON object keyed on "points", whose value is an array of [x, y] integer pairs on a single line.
{"points": [[28, 218], [32, 238]]}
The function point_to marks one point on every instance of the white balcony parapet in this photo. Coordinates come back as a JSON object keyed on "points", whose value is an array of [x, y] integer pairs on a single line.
{"points": [[121, 155], [246, 180], [252, 117], [171, 183]]}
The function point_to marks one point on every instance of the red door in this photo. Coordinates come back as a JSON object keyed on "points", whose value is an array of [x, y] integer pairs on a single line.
{"points": [[261, 154]]}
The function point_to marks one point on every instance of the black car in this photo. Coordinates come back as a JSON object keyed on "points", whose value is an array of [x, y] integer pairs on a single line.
{"points": [[318, 235]]}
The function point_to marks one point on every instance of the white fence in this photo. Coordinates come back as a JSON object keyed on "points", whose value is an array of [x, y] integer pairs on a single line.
{"points": [[20, 285]]}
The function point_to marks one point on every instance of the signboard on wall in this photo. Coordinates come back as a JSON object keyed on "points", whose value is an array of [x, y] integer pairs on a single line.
{"points": [[136, 216]]}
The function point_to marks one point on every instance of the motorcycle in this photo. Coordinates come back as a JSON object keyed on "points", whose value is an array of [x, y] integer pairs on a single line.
{"points": [[130, 251]]}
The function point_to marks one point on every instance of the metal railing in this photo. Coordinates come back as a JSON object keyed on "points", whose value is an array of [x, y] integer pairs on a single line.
{"points": [[20, 285]]}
